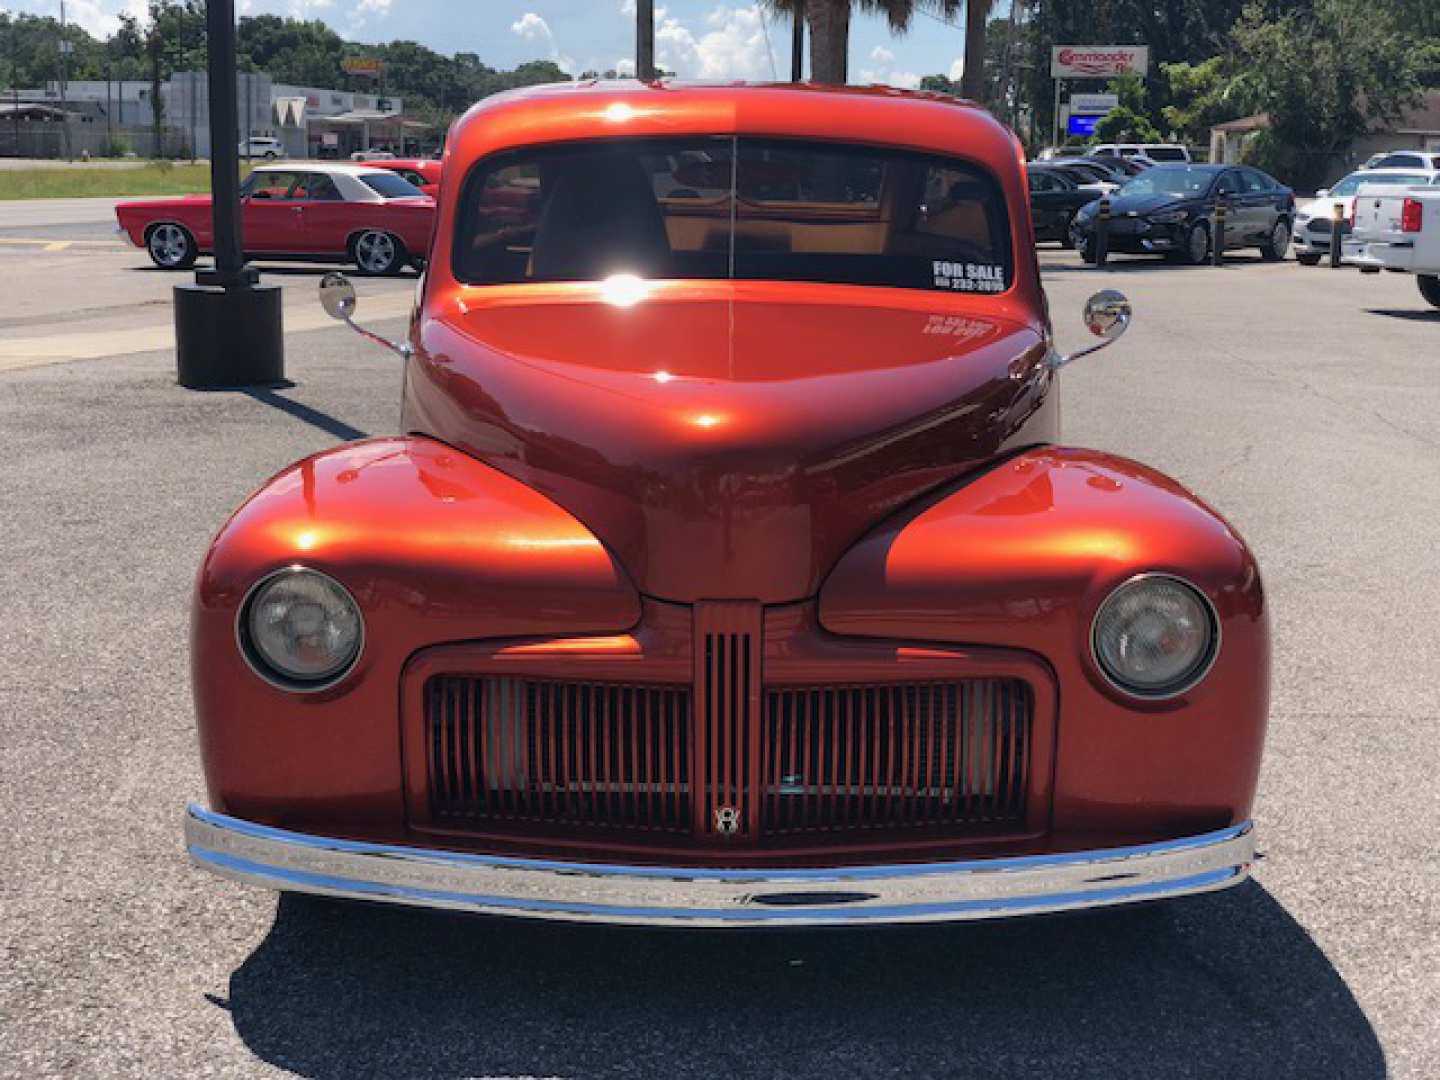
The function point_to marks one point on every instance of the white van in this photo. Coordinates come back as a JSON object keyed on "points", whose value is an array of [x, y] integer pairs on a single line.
{"points": [[1159, 153], [260, 146]]}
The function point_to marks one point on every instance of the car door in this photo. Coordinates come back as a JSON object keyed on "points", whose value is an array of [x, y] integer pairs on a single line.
{"points": [[274, 219], [1237, 221], [1046, 207], [329, 219], [1261, 203]]}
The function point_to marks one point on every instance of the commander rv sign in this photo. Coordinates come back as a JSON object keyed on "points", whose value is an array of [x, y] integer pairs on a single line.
{"points": [[1098, 61]]}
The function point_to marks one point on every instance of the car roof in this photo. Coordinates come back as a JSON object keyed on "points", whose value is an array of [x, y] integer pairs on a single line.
{"points": [[332, 167], [556, 112]]}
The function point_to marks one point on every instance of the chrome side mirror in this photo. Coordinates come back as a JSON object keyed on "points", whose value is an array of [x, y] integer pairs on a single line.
{"points": [[1107, 315], [337, 297]]}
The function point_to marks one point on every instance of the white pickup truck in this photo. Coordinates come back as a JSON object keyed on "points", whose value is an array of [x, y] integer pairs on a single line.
{"points": [[1398, 229]]}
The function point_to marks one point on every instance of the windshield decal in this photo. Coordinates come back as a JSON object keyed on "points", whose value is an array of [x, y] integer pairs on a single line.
{"points": [[969, 277]]}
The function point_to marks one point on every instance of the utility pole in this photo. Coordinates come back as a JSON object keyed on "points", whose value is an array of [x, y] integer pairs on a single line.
{"points": [[797, 41], [228, 330], [62, 47], [645, 40]]}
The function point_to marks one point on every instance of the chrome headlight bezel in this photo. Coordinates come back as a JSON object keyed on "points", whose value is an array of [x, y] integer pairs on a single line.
{"points": [[1192, 676], [269, 670]]}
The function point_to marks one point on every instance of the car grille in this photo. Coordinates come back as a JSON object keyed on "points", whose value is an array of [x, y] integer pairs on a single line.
{"points": [[863, 757], [782, 763], [578, 753]]}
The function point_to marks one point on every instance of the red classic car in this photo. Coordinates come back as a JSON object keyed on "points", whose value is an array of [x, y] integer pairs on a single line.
{"points": [[729, 571], [424, 173], [309, 210]]}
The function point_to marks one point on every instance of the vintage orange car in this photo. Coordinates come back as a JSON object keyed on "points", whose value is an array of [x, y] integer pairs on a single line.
{"points": [[728, 570]]}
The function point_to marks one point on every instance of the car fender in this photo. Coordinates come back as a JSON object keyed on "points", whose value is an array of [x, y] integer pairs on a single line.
{"points": [[1021, 556], [435, 547]]}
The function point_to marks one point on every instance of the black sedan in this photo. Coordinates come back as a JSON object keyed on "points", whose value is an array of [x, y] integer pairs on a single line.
{"points": [[1170, 210], [1055, 198]]}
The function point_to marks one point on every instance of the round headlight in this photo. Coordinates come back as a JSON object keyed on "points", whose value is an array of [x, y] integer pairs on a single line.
{"points": [[1155, 636], [301, 629]]}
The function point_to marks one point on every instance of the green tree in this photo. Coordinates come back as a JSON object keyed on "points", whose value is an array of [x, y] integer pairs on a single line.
{"points": [[1200, 97], [1323, 78]]}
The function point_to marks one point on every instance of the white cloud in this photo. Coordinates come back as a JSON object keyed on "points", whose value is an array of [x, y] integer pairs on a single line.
{"points": [[957, 69], [733, 48], [532, 27], [625, 68], [627, 7], [94, 17], [882, 55]]}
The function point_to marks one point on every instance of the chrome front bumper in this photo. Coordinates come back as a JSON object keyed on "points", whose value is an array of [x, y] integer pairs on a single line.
{"points": [[694, 896]]}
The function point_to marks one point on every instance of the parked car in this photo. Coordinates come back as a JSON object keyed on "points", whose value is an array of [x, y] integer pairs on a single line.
{"points": [[1398, 229], [424, 173], [315, 210], [729, 571], [1055, 198], [1315, 220], [1158, 153], [372, 155], [1088, 176], [261, 147], [1404, 159], [1169, 210]]}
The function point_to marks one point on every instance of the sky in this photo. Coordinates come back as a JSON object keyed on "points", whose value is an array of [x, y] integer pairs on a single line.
{"points": [[703, 39]]}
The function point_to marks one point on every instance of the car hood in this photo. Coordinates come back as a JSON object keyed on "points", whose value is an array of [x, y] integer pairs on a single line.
{"points": [[730, 445], [1141, 205]]}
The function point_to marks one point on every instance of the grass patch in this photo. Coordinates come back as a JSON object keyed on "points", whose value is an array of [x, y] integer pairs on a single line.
{"points": [[153, 178]]}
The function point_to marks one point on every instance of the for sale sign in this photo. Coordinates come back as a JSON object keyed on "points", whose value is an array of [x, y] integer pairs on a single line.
{"points": [[1098, 61]]}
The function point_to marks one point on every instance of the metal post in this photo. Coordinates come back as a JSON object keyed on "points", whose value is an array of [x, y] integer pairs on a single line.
{"points": [[1337, 235], [645, 40], [1217, 242], [1055, 120], [227, 326], [1102, 234], [797, 41]]}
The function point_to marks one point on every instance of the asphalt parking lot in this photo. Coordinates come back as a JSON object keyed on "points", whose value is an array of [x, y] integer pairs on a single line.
{"points": [[1302, 403]]}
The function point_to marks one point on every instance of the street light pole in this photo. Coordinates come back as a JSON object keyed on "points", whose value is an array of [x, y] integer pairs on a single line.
{"points": [[228, 330]]}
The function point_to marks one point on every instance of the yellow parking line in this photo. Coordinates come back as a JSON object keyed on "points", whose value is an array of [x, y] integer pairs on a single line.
{"points": [[57, 245]]}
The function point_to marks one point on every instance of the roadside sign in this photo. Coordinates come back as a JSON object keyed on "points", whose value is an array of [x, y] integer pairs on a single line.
{"points": [[368, 67], [1098, 61], [1081, 125], [1093, 104]]}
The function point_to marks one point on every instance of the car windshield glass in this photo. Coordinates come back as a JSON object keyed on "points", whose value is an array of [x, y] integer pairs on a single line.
{"points": [[391, 186], [1170, 180], [733, 208], [1165, 153]]}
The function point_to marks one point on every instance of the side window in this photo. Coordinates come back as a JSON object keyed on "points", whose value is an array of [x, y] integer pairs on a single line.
{"points": [[322, 189], [1040, 181], [1255, 183], [1229, 183], [414, 177], [272, 185]]}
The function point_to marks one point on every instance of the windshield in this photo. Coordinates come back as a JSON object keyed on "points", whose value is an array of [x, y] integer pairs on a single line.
{"points": [[1165, 153], [391, 186], [733, 208], [1170, 180]]}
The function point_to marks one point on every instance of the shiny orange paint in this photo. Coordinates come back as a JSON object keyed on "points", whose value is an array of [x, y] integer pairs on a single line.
{"points": [[872, 467]]}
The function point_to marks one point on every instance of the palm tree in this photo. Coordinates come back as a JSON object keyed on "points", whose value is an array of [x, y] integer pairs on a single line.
{"points": [[829, 22]]}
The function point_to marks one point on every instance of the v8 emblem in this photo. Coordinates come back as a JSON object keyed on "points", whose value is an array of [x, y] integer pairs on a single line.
{"points": [[727, 820]]}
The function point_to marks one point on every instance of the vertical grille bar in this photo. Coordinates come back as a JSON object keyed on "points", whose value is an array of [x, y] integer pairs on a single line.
{"points": [[726, 751]]}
